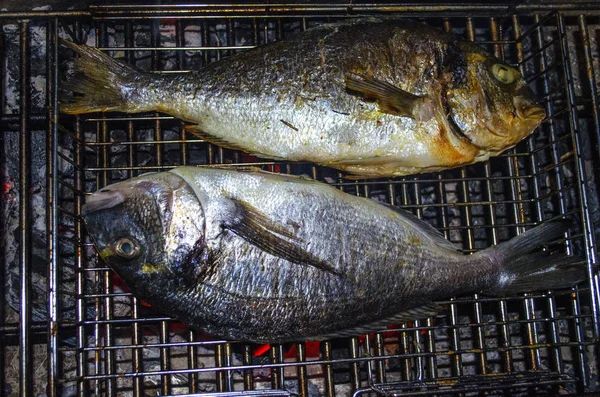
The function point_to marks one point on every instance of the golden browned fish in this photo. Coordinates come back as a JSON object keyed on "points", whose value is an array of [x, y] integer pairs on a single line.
{"points": [[374, 97]]}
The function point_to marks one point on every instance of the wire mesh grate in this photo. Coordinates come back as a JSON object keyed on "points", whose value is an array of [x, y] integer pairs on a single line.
{"points": [[96, 338]]}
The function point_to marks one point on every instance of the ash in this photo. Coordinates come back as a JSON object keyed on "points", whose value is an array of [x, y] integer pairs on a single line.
{"points": [[483, 337]]}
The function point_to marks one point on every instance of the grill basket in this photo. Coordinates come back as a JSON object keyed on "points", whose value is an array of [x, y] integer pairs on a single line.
{"points": [[69, 327]]}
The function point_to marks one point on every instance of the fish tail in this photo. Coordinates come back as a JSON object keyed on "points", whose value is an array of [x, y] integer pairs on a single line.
{"points": [[527, 271], [92, 81]]}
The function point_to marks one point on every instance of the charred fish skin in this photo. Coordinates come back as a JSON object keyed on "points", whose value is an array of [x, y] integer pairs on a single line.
{"points": [[262, 257], [372, 96]]}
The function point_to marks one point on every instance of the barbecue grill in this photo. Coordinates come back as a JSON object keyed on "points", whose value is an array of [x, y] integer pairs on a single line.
{"points": [[77, 330]]}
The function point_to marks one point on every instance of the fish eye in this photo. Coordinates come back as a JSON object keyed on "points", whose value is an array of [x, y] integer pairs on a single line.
{"points": [[127, 248], [503, 73]]}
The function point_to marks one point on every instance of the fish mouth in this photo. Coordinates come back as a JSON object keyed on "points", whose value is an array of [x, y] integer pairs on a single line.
{"points": [[101, 200], [534, 113], [528, 109]]}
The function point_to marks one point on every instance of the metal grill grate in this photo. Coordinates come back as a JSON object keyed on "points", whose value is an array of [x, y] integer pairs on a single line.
{"points": [[92, 337]]}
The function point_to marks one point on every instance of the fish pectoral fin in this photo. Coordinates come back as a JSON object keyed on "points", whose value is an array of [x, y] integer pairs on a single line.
{"points": [[392, 99], [256, 228], [399, 318]]}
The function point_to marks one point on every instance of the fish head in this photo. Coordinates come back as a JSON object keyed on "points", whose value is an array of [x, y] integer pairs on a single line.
{"points": [[490, 102], [146, 228]]}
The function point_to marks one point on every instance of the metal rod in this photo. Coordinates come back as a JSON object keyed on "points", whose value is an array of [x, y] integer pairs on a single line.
{"points": [[405, 364], [165, 359], [277, 378], [579, 350], [3, 195], [420, 362], [354, 367], [109, 362], [228, 363], [301, 370], [181, 64], [369, 352], [192, 361], [41, 327], [327, 369], [379, 351], [282, 366], [178, 49], [52, 203], [137, 363], [12, 15], [25, 359], [493, 235], [136, 356], [79, 264], [247, 360], [15, 118], [442, 216], [279, 10], [100, 181]]}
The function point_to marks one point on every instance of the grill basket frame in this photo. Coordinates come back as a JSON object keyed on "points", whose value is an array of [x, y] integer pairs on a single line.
{"points": [[109, 343]]}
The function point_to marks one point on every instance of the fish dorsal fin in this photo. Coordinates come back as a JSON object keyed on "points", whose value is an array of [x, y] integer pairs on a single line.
{"points": [[256, 228], [402, 317], [435, 235], [392, 99]]}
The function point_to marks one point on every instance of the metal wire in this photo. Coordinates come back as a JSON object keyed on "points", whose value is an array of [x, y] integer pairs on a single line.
{"points": [[536, 343], [24, 215], [52, 195]]}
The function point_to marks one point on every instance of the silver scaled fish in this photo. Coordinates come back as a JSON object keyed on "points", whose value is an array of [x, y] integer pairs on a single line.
{"points": [[261, 257]]}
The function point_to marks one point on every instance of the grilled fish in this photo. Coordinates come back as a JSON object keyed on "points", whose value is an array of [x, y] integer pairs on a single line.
{"points": [[262, 257], [374, 97]]}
